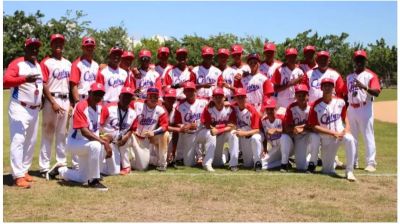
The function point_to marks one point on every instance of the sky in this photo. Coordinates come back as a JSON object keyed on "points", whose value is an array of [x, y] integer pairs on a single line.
{"points": [[365, 22]]}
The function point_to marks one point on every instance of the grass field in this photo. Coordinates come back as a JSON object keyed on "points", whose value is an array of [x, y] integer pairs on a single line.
{"points": [[191, 194], [387, 95]]}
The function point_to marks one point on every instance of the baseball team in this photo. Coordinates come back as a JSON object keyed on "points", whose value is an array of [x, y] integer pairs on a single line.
{"points": [[113, 117]]}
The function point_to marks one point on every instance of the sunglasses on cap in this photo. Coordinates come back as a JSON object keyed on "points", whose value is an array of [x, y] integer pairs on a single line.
{"points": [[89, 41], [145, 58]]}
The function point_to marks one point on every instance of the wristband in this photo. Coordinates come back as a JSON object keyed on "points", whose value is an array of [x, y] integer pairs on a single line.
{"points": [[220, 130], [218, 126]]}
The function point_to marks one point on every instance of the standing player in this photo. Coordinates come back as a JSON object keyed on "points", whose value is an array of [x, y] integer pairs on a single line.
{"points": [[309, 61], [327, 116], [227, 78], [24, 77], [126, 63], [363, 86], [56, 71], [248, 130], [206, 74], [112, 76], [240, 67], [162, 65], [269, 65]]}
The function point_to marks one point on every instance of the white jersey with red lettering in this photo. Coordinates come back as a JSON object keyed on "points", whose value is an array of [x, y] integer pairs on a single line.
{"points": [[228, 76], [149, 78], [328, 115], [315, 76], [188, 113], [176, 76], [256, 87], [27, 92], [243, 68], [116, 121], [213, 116], [295, 115], [85, 117], [203, 76], [150, 119], [282, 76], [162, 71], [356, 95], [247, 118], [269, 70], [267, 124], [83, 74], [113, 81], [56, 74]]}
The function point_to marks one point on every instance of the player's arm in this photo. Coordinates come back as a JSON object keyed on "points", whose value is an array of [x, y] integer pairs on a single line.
{"points": [[12, 78], [254, 124], [276, 80], [73, 83], [316, 127]]}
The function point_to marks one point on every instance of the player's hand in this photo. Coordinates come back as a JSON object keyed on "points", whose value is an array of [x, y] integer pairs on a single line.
{"points": [[295, 81], [193, 126], [240, 133], [339, 135], [32, 78], [108, 149], [135, 72], [271, 131], [298, 130], [185, 128], [238, 77], [57, 108], [148, 134], [70, 110], [123, 140], [207, 85], [358, 84], [214, 131]]}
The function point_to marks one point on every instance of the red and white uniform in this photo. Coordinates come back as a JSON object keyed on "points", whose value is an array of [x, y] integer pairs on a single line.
{"points": [[306, 67], [83, 74], [56, 75], [332, 116], [269, 70], [162, 71], [360, 112], [150, 119], [113, 81], [175, 76], [23, 118], [249, 119], [276, 157], [147, 79], [189, 113], [314, 78], [203, 76], [227, 76], [282, 76]]}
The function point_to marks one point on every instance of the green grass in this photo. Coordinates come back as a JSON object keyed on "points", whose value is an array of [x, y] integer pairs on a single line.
{"points": [[191, 194], [387, 95]]}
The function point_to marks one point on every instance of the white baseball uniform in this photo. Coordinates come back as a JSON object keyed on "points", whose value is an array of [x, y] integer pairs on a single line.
{"points": [[23, 113], [227, 76], [162, 71], [251, 146], [204, 76], [83, 74], [282, 76], [113, 80], [269, 69], [149, 78], [275, 157], [306, 67], [332, 116], [176, 76], [314, 77], [360, 112], [56, 75], [243, 68]]}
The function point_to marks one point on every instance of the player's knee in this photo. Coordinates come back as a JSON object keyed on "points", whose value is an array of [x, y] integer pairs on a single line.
{"points": [[255, 138], [348, 137], [95, 146]]}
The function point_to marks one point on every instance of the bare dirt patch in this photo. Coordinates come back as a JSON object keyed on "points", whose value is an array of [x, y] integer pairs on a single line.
{"points": [[386, 111]]}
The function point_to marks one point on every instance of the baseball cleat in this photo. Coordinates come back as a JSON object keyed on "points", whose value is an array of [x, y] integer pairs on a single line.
{"points": [[43, 173], [95, 183], [350, 176], [234, 168], [209, 168], [179, 162], [22, 183], [258, 166], [356, 166], [28, 177], [125, 171], [311, 168], [161, 168], [53, 172], [370, 168], [284, 168], [319, 162]]}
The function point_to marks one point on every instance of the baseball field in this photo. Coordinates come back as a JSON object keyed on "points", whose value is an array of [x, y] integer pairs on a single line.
{"points": [[191, 194]]}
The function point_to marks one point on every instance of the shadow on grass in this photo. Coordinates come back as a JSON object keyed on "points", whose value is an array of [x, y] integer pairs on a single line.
{"points": [[8, 180]]}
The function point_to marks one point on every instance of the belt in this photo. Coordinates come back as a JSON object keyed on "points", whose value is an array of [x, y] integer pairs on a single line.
{"points": [[140, 137], [29, 106], [60, 95], [357, 105]]}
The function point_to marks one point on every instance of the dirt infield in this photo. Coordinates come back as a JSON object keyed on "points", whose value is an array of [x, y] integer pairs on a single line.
{"points": [[386, 111]]}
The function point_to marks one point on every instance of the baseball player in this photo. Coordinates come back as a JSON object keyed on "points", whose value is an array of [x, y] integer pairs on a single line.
{"points": [[285, 77], [362, 87], [220, 119], [84, 140], [240, 67], [56, 71], [256, 84], [24, 77], [162, 66], [83, 71], [269, 65], [315, 75], [227, 78], [327, 116], [248, 130], [151, 131], [127, 58], [191, 130], [117, 122], [145, 77], [309, 59], [112, 76], [206, 74], [179, 74]]}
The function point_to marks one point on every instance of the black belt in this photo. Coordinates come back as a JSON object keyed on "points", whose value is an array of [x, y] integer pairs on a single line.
{"points": [[60, 95]]}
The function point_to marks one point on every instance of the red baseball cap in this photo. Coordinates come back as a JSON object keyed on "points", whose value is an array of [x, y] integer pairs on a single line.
{"points": [[163, 50], [269, 103], [181, 50], [88, 41], [360, 53], [240, 92], [189, 85], [218, 91], [97, 87], [300, 88], [323, 54], [144, 53], [116, 49], [153, 90], [269, 47], [32, 41], [237, 49], [54, 37], [128, 90], [170, 92], [309, 48], [223, 51], [327, 80], [290, 51], [207, 51], [128, 54], [253, 56]]}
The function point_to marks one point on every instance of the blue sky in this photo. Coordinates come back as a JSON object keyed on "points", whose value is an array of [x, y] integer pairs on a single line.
{"points": [[365, 22]]}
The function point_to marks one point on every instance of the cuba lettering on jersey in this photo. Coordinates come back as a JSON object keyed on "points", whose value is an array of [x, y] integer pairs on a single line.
{"points": [[148, 79], [314, 78], [150, 119], [204, 76], [269, 70], [176, 76], [113, 81], [282, 76], [188, 113], [14, 78], [85, 117], [295, 115], [243, 68], [112, 117], [248, 118], [216, 118], [357, 95], [330, 116], [257, 86], [267, 124], [83, 74], [162, 71], [227, 76], [56, 74]]}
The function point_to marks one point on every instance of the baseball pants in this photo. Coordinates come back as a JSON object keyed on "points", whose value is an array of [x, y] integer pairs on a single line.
{"points": [[251, 149], [142, 150], [274, 157], [119, 158], [218, 158], [302, 147], [23, 133]]}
